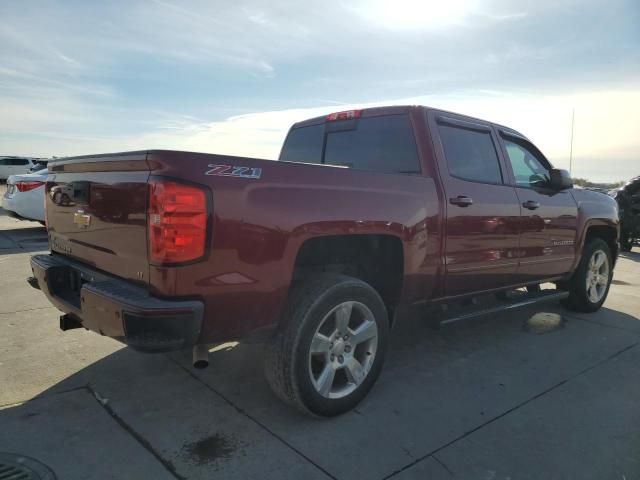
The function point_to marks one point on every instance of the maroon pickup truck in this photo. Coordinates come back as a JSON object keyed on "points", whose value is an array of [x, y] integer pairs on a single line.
{"points": [[367, 213]]}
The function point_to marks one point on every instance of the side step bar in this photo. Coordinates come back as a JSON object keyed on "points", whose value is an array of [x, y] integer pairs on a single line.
{"points": [[519, 301]]}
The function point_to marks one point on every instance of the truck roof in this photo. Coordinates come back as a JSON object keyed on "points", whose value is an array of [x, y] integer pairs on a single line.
{"points": [[397, 109]]}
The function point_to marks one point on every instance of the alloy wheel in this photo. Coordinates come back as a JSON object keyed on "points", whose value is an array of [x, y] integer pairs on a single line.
{"points": [[597, 276], [343, 349]]}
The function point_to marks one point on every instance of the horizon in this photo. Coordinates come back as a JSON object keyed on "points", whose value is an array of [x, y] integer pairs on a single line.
{"points": [[157, 74]]}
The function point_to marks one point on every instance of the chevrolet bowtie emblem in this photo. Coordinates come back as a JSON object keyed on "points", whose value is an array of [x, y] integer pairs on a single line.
{"points": [[81, 219]]}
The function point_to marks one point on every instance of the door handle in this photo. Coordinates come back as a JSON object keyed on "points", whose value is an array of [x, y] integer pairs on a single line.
{"points": [[531, 205], [461, 201]]}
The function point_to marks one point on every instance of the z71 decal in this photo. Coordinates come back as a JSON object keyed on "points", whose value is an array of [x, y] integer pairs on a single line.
{"points": [[229, 171]]}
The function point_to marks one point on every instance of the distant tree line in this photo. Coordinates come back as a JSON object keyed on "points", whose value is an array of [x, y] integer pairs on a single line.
{"points": [[583, 182]]}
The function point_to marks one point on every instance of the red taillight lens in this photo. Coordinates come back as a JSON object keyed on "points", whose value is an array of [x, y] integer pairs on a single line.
{"points": [[23, 186], [346, 115], [177, 222]]}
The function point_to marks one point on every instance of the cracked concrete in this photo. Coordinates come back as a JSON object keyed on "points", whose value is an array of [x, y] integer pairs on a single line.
{"points": [[478, 399]]}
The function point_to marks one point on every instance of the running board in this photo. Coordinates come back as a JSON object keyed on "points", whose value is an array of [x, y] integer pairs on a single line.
{"points": [[509, 304]]}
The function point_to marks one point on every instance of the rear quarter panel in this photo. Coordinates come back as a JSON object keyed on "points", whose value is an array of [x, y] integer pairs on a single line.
{"points": [[261, 223]]}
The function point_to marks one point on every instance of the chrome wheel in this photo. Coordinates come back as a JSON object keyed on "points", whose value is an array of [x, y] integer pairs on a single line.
{"points": [[597, 276], [343, 349]]}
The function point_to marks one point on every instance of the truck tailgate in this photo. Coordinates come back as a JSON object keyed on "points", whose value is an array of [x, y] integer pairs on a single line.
{"points": [[97, 212]]}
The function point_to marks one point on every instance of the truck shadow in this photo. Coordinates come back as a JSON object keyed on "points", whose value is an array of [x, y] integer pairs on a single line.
{"points": [[633, 256], [23, 240], [225, 418]]}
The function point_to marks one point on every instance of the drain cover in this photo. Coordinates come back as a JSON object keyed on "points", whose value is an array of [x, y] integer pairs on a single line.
{"points": [[19, 467]]}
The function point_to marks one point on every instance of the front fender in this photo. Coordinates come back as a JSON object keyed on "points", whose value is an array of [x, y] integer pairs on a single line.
{"points": [[595, 210]]}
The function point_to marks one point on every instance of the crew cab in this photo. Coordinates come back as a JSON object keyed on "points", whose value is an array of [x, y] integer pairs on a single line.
{"points": [[368, 214]]}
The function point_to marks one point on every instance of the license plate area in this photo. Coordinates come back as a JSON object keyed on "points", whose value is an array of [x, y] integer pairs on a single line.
{"points": [[66, 283]]}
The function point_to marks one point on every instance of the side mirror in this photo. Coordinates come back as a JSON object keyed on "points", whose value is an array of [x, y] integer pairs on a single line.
{"points": [[560, 179]]}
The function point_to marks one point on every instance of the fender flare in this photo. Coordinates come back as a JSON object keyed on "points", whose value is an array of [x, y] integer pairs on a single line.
{"points": [[595, 222]]}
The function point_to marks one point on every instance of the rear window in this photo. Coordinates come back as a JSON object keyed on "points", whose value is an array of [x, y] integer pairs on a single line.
{"points": [[380, 144], [304, 145]]}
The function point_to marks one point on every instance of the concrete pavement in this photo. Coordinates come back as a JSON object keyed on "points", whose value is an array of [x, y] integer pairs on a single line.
{"points": [[483, 399]]}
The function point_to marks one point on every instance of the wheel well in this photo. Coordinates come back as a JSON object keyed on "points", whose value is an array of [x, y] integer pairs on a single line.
{"points": [[375, 259], [607, 234]]}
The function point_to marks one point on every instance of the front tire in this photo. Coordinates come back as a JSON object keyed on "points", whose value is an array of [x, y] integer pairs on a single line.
{"points": [[589, 284], [332, 346]]}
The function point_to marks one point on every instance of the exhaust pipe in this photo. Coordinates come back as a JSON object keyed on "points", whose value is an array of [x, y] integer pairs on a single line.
{"points": [[200, 356]]}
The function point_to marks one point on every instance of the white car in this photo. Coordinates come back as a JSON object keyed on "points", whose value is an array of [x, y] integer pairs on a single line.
{"points": [[15, 166], [25, 195]]}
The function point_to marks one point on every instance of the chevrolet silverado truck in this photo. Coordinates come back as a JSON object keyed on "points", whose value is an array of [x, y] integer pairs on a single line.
{"points": [[367, 215]]}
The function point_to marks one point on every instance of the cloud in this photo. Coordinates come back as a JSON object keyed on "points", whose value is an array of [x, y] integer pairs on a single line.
{"points": [[546, 120], [84, 76]]}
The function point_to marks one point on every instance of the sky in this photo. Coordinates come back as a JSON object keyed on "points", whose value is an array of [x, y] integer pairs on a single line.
{"points": [[80, 77]]}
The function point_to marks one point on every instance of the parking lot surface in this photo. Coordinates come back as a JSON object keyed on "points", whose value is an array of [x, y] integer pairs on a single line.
{"points": [[482, 399]]}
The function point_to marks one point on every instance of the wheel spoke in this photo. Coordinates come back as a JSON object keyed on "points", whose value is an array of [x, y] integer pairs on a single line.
{"points": [[366, 330], [593, 293], [343, 316], [325, 380], [355, 372], [599, 259], [320, 343], [602, 279]]}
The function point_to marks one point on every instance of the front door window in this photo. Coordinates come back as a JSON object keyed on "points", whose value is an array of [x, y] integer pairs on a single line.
{"points": [[528, 170]]}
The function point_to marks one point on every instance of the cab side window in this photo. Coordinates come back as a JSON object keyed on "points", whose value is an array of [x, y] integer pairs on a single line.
{"points": [[470, 154], [528, 169]]}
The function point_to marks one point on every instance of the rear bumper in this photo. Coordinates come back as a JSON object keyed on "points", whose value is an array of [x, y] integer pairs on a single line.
{"points": [[8, 203], [116, 308]]}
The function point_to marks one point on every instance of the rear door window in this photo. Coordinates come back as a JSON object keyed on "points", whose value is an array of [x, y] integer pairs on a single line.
{"points": [[383, 144], [471, 154]]}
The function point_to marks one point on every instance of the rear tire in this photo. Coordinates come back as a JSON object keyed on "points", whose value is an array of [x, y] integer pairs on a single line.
{"points": [[331, 349], [589, 285]]}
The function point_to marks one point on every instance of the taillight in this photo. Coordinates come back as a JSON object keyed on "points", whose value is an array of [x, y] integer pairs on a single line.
{"points": [[346, 115], [177, 219], [24, 186]]}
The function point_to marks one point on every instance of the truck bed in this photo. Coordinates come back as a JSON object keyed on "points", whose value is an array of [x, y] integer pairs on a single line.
{"points": [[262, 212]]}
